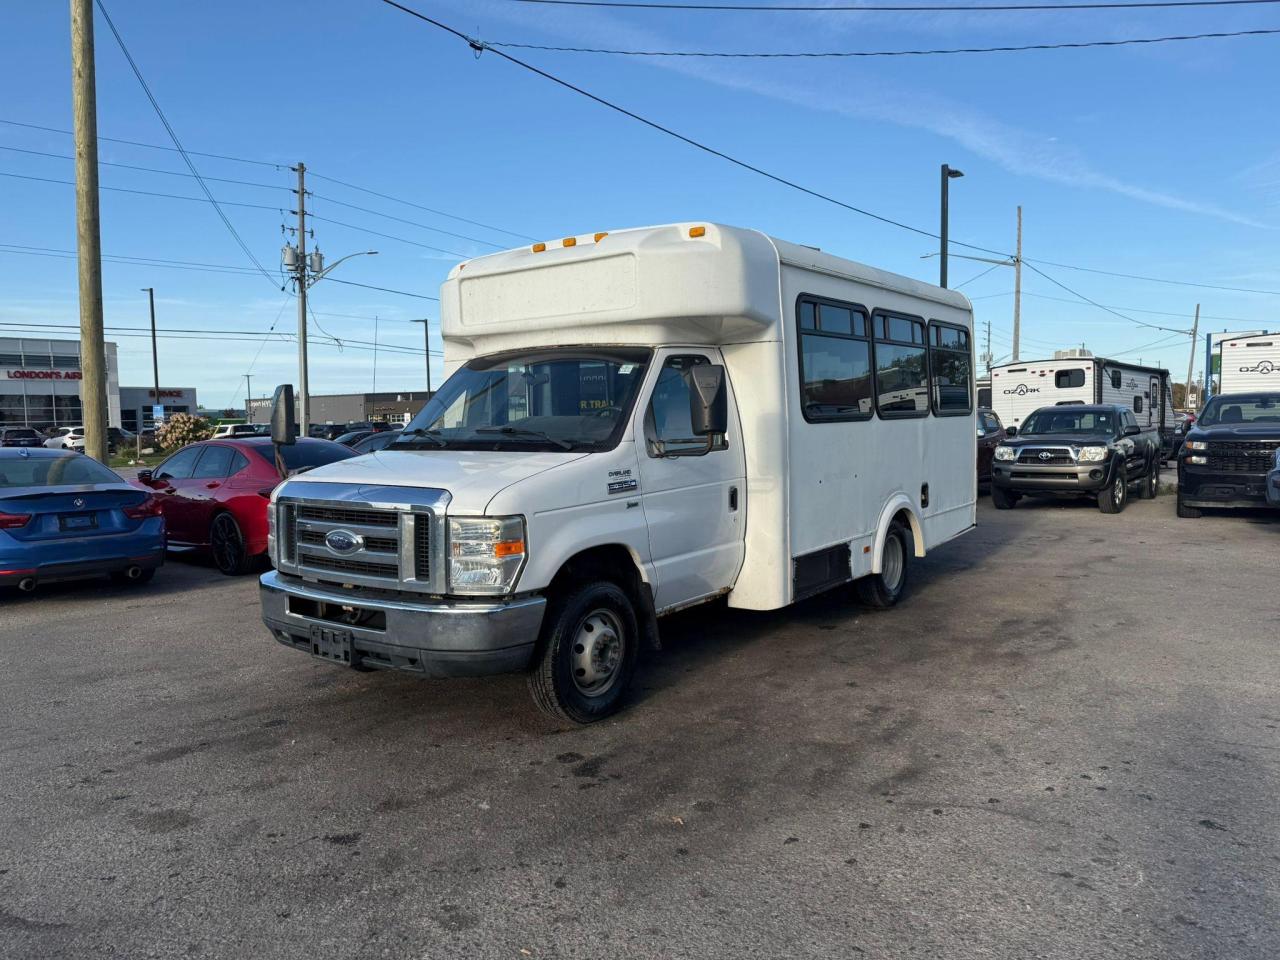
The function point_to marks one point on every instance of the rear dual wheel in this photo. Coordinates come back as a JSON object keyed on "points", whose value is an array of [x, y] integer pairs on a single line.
{"points": [[882, 590]]}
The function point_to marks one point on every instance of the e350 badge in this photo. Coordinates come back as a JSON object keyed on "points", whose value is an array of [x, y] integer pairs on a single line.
{"points": [[621, 481]]}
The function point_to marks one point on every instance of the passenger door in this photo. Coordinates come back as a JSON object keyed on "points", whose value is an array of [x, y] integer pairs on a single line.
{"points": [[204, 490], [694, 497]]}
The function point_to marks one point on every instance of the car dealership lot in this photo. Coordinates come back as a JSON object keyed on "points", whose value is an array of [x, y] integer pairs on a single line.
{"points": [[1059, 746]]}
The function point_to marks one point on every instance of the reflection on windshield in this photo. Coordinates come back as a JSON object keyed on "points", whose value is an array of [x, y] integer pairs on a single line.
{"points": [[1065, 421], [1241, 408], [549, 400]]}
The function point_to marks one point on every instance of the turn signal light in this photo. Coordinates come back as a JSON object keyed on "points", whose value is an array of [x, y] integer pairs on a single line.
{"points": [[13, 521], [149, 507], [696, 232]]}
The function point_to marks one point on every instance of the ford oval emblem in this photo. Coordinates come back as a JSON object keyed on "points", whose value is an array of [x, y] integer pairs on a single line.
{"points": [[343, 541]]}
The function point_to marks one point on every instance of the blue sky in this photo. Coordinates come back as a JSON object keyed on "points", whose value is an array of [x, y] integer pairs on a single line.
{"points": [[1161, 160]]}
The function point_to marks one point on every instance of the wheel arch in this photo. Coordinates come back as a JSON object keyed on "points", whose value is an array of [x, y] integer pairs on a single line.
{"points": [[898, 507], [619, 564]]}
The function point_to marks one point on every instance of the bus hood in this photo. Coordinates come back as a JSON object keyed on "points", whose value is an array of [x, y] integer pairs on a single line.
{"points": [[472, 477]]}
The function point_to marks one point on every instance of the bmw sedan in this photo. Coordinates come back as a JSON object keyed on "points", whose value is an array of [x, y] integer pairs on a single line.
{"points": [[64, 516]]}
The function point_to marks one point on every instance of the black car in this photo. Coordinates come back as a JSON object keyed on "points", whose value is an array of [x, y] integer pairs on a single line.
{"points": [[328, 431], [372, 442], [1073, 450], [352, 437], [1227, 456], [20, 437]]}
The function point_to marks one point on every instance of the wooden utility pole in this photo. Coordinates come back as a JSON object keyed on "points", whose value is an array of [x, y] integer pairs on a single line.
{"points": [[304, 390], [1017, 289], [1195, 332], [93, 350]]}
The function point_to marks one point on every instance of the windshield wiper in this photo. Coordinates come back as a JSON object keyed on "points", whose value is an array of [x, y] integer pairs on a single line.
{"points": [[408, 436], [522, 432]]}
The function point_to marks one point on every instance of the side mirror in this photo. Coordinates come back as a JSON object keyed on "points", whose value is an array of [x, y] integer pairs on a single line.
{"points": [[708, 400], [284, 430], [144, 477], [1132, 430], [1010, 431]]}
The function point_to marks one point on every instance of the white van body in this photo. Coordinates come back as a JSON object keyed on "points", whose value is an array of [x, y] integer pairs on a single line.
{"points": [[1250, 363], [798, 500], [1019, 389]]}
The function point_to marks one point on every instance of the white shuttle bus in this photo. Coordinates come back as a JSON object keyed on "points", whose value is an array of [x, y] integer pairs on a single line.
{"points": [[1249, 363], [634, 422], [1019, 389]]}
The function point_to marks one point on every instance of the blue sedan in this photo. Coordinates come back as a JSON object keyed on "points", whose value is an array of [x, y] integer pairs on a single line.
{"points": [[65, 516]]}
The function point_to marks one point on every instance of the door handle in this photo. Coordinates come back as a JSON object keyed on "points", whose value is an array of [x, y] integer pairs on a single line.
{"points": [[733, 498], [212, 484]]}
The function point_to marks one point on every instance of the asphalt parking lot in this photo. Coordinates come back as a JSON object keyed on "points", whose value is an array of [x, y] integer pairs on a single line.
{"points": [[1066, 744]]}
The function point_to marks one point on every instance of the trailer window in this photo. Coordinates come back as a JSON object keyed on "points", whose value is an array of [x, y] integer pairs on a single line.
{"points": [[835, 361], [902, 366], [951, 369], [1115, 379], [1137, 404], [1069, 379]]}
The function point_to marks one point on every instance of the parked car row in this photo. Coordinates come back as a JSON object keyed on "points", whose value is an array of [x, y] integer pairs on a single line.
{"points": [[337, 431]]}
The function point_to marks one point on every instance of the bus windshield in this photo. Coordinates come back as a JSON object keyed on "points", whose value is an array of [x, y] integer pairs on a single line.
{"points": [[1241, 408], [544, 400]]}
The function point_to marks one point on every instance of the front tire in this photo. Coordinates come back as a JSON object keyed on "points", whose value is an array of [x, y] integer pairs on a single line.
{"points": [[589, 645], [1002, 499], [1188, 513], [226, 543], [1113, 497], [882, 590]]}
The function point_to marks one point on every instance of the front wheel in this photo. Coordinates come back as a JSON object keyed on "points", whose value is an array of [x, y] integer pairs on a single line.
{"points": [[883, 590], [1187, 513], [1151, 482], [1113, 497], [1002, 499], [226, 543], [588, 653]]}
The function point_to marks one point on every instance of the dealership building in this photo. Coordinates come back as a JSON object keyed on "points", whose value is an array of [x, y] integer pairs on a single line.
{"points": [[391, 406], [40, 383]]}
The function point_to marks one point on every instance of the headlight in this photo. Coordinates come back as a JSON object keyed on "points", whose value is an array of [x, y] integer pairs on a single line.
{"points": [[271, 533], [1197, 445], [485, 554], [1092, 454], [1006, 453], [1198, 461]]}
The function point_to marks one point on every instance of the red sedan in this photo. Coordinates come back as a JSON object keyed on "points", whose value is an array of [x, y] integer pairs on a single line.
{"points": [[214, 493]]}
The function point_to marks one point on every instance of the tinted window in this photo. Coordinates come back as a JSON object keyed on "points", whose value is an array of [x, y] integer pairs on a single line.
{"points": [[902, 370], [1069, 379], [215, 463], [21, 434], [1137, 404], [1242, 408], [1067, 420], [668, 419], [375, 441], [951, 365], [304, 456], [179, 466], [835, 361], [53, 471], [1115, 379]]}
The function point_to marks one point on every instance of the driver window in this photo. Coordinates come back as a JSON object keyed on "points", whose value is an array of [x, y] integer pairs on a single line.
{"points": [[668, 426], [178, 467]]}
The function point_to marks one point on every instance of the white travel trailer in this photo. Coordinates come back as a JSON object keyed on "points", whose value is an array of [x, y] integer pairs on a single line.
{"points": [[1018, 389], [1249, 363], [635, 422]]}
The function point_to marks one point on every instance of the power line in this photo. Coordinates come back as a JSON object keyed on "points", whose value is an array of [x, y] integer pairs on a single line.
{"points": [[369, 286], [1158, 313], [389, 236], [204, 187], [149, 146], [150, 193], [1134, 276], [1081, 296], [978, 276], [933, 8], [131, 166], [480, 46], [1148, 346], [882, 53], [412, 223]]}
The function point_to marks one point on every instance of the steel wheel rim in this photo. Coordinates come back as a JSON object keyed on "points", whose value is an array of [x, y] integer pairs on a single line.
{"points": [[597, 653], [891, 569], [1118, 493], [225, 542]]}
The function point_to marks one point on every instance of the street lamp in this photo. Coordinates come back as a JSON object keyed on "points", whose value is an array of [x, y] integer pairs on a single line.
{"points": [[948, 174]]}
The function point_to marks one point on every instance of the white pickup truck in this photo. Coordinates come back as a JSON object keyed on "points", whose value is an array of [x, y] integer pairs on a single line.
{"points": [[634, 422]]}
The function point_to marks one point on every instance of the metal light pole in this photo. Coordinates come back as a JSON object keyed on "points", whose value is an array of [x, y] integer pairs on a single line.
{"points": [[248, 396], [948, 174], [426, 344]]}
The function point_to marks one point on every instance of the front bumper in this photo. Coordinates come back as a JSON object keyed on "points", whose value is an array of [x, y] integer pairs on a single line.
{"points": [[440, 638], [1200, 488], [1065, 478]]}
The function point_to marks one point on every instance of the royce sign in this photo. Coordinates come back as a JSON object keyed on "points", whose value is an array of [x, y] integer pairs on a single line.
{"points": [[44, 375]]}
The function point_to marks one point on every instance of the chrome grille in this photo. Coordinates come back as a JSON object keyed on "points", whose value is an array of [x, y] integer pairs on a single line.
{"points": [[1058, 456], [315, 538], [422, 551], [346, 515], [363, 568]]}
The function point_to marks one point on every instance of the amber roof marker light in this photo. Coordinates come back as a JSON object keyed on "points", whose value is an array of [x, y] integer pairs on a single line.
{"points": [[695, 232]]}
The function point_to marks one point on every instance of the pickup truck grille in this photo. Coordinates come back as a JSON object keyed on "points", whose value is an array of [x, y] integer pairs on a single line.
{"points": [[389, 547], [1057, 456], [1241, 456]]}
